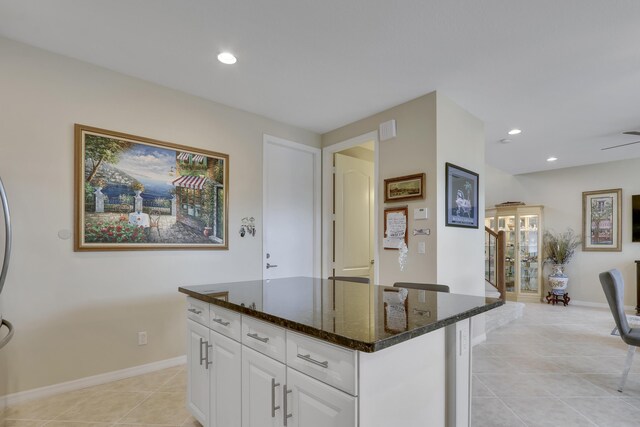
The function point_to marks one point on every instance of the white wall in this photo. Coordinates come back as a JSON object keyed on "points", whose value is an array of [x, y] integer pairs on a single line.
{"points": [[460, 250], [77, 314], [560, 191]]}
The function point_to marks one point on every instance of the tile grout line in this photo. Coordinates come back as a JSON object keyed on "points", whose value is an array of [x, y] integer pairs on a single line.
{"points": [[147, 398], [579, 412], [512, 411]]}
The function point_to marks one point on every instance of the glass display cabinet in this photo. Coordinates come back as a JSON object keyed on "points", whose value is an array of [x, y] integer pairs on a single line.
{"points": [[523, 259]]}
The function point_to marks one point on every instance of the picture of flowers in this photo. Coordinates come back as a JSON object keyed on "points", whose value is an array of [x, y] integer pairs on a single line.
{"points": [[136, 193]]}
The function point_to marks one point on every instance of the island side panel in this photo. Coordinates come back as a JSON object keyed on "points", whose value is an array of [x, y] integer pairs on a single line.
{"points": [[405, 384], [458, 351]]}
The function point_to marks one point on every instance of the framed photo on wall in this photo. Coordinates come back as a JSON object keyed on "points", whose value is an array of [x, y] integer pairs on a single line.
{"points": [[136, 193], [602, 220], [395, 227], [461, 197], [410, 187]]}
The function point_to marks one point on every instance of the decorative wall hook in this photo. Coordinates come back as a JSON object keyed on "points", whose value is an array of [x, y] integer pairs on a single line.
{"points": [[248, 227]]}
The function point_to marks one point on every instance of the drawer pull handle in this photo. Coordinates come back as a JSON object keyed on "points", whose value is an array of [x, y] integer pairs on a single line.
{"points": [[285, 416], [258, 337], [222, 322], [308, 358], [274, 408], [206, 356], [194, 311]]}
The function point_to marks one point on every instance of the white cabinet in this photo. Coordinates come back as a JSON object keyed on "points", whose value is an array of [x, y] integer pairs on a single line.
{"points": [[263, 380], [311, 403], [224, 381], [214, 377], [198, 372]]}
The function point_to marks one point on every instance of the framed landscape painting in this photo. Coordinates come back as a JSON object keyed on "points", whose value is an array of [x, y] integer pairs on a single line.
{"points": [[602, 220], [136, 193], [410, 187], [461, 197]]}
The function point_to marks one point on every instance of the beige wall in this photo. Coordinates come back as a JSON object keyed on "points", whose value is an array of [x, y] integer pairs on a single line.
{"points": [[431, 130], [560, 191], [460, 253], [412, 151], [77, 314]]}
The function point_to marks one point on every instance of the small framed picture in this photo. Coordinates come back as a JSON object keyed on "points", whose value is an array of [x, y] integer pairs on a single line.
{"points": [[410, 187], [601, 220], [395, 227], [461, 197]]}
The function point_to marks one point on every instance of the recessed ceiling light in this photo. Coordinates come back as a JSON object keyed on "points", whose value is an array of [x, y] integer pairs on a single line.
{"points": [[504, 141], [514, 131], [227, 58], [552, 159]]}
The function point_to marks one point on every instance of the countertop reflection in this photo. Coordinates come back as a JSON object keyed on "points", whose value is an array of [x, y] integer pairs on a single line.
{"points": [[360, 316]]}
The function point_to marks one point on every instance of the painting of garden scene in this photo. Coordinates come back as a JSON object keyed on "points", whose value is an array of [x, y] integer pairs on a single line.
{"points": [[138, 193]]}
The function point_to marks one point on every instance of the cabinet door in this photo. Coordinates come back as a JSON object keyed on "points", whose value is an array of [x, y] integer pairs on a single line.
{"points": [[312, 403], [262, 381], [198, 372], [529, 253], [508, 225], [225, 381]]}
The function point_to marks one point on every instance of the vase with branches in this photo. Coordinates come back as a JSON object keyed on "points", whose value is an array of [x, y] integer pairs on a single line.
{"points": [[558, 249]]}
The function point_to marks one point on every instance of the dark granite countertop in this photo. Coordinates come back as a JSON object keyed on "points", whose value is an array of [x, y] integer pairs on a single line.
{"points": [[355, 315]]}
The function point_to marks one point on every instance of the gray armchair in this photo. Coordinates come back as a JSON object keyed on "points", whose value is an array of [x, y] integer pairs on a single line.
{"points": [[613, 287]]}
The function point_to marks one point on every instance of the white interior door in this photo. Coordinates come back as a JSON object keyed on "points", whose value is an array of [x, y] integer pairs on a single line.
{"points": [[291, 209], [354, 210]]}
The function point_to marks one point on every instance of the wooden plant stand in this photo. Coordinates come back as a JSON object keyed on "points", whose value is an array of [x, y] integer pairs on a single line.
{"points": [[558, 298]]}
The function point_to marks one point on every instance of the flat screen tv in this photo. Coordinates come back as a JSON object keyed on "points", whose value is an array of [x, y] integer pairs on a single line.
{"points": [[635, 202]]}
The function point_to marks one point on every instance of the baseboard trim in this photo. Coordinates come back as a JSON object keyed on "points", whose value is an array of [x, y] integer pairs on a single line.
{"points": [[598, 304], [478, 339], [37, 393]]}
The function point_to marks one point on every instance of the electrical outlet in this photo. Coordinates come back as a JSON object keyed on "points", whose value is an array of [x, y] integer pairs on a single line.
{"points": [[422, 247], [142, 338]]}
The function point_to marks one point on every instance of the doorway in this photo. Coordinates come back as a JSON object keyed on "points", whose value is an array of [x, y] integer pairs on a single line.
{"points": [[350, 214], [291, 209]]}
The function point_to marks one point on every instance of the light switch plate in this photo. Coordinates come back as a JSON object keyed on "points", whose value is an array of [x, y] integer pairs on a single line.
{"points": [[422, 247]]}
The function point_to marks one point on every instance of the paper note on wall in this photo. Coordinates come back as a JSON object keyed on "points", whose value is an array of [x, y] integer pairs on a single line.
{"points": [[396, 229]]}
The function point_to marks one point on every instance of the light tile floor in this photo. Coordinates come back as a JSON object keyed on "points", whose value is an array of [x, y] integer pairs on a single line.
{"points": [[157, 399], [556, 366]]}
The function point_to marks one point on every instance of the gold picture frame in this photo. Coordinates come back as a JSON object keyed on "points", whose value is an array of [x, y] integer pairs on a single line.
{"points": [[409, 187], [602, 220], [137, 193]]}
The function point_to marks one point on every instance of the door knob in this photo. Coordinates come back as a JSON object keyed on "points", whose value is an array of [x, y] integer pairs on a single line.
{"points": [[271, 265]]}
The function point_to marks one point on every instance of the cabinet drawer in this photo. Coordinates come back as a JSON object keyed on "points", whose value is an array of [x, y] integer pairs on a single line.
{"points": [[263, 337], [198, 311], [225, 321], [328, 363]]}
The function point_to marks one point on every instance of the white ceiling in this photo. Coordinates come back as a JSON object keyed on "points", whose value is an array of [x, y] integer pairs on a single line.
{"points": [[566, 72]]}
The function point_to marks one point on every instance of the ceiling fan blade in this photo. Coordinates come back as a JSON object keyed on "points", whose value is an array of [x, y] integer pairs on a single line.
{"points": [[621, 145], [632, 132]]}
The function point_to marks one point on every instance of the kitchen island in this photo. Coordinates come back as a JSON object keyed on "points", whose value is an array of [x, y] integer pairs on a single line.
{"points": [[315, 352]]}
